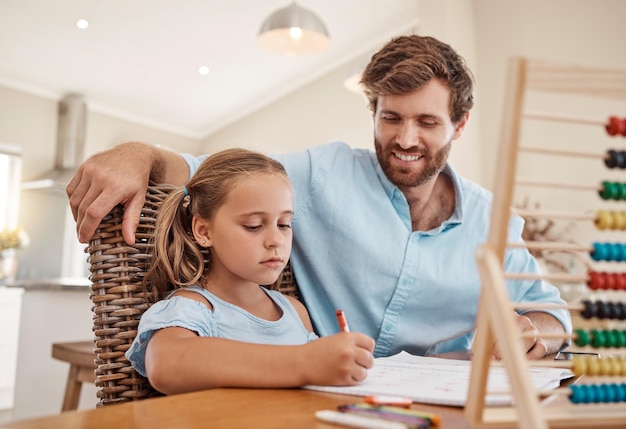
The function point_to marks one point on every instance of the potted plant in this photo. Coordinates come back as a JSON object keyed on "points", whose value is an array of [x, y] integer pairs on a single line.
{"points": [[10, 241]]}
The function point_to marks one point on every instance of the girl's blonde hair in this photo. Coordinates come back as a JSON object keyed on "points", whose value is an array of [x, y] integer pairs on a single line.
{"points": [[178, 260]]}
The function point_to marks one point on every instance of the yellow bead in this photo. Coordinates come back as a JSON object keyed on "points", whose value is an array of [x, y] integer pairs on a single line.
{"points": [[593, 366], [619, 220], [604, 220], [579, 366], [606, 367], [616, 367]]}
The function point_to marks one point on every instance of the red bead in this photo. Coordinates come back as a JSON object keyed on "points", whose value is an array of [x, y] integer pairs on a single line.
{"points": [[596, 280], [614, 126], [602, 275], [610, 281], [622, 130], [620, 281]]}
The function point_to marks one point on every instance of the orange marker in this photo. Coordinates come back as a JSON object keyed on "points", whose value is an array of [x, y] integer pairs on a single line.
{"points": [[394, 401], [343, 323]]}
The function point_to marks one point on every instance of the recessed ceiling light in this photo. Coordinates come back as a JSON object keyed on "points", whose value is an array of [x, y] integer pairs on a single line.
{"points": [[203, 70], [82, 24]]}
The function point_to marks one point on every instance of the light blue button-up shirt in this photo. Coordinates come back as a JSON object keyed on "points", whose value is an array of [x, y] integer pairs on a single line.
{"points": [[354, 249]]}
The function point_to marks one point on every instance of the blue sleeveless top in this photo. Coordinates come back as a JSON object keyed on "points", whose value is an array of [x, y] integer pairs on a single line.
{"points": [[224, 321]]}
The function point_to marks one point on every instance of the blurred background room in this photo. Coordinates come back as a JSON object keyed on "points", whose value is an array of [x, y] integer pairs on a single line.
{"points": [[190, 76]]}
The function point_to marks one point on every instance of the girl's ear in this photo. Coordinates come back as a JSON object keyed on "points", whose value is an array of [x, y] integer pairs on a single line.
{"points": [[200, 228]]}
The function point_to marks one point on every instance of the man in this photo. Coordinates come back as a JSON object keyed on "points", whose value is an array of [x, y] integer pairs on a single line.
{"points": [[390, 236]]}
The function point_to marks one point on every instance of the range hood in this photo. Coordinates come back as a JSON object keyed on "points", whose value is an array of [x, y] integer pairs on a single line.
{"points": [[71, 128]]}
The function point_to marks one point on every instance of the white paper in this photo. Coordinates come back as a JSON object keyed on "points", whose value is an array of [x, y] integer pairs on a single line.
{"points": [[431, 380]]}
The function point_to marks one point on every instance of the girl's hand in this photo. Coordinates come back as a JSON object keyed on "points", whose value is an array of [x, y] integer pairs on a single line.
{"points": [[338, 360]]}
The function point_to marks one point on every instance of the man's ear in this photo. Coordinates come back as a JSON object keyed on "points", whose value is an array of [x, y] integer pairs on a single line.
{"points": [[460, 127], [201, 231]]}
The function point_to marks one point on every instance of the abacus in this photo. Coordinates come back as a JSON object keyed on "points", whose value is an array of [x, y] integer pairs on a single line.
{"points": [[598, 397]]}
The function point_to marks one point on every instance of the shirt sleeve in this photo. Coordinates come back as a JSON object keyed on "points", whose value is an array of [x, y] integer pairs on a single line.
{"points": [[312, 336], [174, 312], [193, 162], [520, 260], [308, 169]]}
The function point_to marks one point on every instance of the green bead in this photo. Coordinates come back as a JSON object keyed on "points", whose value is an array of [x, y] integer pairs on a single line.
{"points": [[615, 190], [611, 339], [598, 338], [608, 190], [620, 338], [621, 191], [582, 337]]}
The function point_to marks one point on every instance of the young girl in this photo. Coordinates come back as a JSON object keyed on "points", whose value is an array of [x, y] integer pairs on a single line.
{"points": [[218, 239]]}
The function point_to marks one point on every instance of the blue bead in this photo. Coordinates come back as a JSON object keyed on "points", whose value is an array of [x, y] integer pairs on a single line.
{"points": [[598, 253], [610, 391], [592, 393], [600, 393], [614, 252], [578, 395], [621, 392]]}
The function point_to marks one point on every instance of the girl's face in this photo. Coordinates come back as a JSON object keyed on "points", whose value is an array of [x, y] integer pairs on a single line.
{"points": [[250, 235]]}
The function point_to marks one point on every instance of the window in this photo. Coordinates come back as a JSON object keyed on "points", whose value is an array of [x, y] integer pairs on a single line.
{"points": [[10, 179]]}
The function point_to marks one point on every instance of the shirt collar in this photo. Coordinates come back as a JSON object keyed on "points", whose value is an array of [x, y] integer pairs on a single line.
{"points": [[457, 216], [393, 191]]}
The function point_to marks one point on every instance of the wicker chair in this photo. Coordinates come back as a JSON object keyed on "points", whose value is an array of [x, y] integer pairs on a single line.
{"points": [[119, 299]]}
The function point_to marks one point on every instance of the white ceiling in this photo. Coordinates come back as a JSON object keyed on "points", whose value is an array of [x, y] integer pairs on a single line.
{"points": [[139, 58]]}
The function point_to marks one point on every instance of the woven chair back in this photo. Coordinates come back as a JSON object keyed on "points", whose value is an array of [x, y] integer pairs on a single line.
{"points": [[119, 298]]}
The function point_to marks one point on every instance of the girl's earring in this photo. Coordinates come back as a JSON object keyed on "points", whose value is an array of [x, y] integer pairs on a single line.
{"points": [[203, 241]]}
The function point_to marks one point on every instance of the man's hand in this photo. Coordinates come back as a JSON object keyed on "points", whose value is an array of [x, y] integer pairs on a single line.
{"points": [[117, 176], [120, 176], [536, 323]]}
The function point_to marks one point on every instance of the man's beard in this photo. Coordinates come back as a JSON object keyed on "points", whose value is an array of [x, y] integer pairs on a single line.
{"points": [[433, 165]]}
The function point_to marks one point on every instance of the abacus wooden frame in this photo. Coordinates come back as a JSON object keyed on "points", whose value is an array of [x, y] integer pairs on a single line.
{"points": [[495, 316]]}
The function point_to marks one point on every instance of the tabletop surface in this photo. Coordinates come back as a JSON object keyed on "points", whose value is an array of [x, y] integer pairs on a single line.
{"points": [[238, 408], [220, 408]]}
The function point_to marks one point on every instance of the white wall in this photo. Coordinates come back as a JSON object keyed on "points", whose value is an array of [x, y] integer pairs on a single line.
{"points": [[321, 112], [571, 31]]}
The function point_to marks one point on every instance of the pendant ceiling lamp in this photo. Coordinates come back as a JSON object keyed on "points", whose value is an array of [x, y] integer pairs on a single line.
{"points": [[293, 30]]}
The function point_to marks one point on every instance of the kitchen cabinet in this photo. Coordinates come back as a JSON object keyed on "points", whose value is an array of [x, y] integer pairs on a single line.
{"points": [[52, 311], [10, 308]]}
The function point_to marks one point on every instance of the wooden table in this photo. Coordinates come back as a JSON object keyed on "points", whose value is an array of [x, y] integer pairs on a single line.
{"points": [[219, 408]]}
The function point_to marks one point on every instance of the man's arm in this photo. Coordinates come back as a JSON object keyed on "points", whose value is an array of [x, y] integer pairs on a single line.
{"points": [[120, 176]]}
